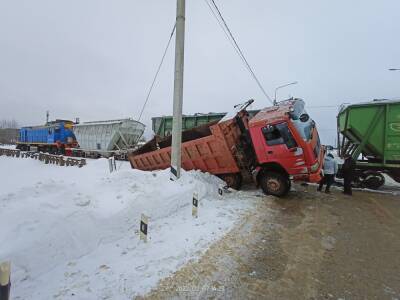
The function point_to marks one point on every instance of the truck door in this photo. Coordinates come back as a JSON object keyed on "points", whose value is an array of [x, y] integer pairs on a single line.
{"points": [[281, 147]]}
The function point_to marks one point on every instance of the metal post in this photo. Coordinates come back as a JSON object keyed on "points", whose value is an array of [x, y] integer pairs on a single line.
{"points": [[178, 91]]}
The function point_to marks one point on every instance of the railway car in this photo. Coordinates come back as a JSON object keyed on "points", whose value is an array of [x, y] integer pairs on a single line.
{"points": [[107, 138], [53, 137], [162, 126]]}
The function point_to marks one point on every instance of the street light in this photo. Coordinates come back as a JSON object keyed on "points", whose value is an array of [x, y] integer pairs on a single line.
{"points": [[394, 69], [282, 86]]}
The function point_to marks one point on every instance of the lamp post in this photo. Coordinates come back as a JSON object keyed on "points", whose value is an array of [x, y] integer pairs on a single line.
{"points": [[282, 86]]}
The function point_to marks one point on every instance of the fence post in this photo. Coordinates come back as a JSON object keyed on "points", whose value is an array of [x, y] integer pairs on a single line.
{"points": [[5, 283]]}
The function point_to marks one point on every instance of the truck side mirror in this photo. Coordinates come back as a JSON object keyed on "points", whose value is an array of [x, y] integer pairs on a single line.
{"points": [[304, 118]]}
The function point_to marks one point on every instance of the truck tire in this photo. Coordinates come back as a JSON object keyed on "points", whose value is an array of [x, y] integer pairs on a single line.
{"points": [[274, 183], [233, 180]]}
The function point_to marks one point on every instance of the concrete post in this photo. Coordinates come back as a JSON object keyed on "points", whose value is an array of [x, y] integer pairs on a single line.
{"points": [[178, 91]]}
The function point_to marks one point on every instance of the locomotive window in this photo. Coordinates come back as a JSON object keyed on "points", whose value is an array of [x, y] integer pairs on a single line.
{"points": [[279, 134]]}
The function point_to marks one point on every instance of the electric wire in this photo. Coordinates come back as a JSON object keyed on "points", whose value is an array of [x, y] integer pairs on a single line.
{"points": [[324, 106], [225, 32], [234, 43], [158, 71]]}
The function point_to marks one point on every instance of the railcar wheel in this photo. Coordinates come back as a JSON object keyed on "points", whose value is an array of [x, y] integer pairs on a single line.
{"points": [[373, 180], [274, 183]]}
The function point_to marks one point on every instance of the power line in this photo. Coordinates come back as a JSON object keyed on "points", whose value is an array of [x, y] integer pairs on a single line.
{"points": [[158, 71], [234, 43], [324, 106], [225, 31]]}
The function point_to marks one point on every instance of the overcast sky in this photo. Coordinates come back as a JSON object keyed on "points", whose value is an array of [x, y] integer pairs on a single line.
{"points": [[95, 59]]}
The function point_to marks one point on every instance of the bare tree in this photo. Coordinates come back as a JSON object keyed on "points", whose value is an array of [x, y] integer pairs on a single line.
{"points": [[8, 123]]}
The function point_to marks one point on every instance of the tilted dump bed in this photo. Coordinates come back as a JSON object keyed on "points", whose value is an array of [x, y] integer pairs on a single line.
{"points": [[212, 148]]}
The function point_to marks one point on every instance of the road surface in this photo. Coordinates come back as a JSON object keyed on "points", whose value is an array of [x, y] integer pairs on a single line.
{"points": [[308, 246]]}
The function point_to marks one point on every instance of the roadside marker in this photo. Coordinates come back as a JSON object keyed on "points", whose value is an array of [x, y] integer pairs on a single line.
{"points": [[144, 221], [110, 165], [220, 190], [195, 204], [5, 283]]}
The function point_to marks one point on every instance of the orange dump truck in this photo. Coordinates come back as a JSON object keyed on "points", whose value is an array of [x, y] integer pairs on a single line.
{"points": [[278, 145]]}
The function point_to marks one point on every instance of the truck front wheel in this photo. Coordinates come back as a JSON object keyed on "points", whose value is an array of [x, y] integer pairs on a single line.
{"points": [[274, 183]]}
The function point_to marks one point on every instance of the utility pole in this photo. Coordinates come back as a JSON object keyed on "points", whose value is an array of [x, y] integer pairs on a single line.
{"points": [[178, 91], [47, 117]]}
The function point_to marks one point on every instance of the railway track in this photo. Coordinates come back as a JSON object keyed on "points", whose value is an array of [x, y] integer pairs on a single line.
{"points": [[44, 157]]}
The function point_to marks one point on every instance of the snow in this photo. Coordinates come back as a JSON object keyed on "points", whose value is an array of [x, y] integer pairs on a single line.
{"points": [[72, 233], [6, 146]]}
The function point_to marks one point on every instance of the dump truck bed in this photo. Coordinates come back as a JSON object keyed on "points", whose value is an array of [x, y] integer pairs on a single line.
{"points": [[212, 148]]}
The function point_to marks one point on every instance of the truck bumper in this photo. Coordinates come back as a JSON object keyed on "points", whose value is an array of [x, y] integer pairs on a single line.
{"points": [[310, 177], [316, 177]]}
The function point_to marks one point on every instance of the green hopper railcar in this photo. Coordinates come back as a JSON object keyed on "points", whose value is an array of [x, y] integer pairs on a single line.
{"points": [[162, 126], [370, 133]]}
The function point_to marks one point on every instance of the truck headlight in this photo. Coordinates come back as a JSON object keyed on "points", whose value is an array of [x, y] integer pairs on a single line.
{"points": [[315, 167]]}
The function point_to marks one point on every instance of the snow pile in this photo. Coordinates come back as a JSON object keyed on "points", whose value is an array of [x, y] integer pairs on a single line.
{"points": [[73, 233]]}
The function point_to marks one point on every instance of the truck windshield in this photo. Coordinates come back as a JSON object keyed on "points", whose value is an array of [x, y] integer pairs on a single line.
{"points": [[305, 129]]}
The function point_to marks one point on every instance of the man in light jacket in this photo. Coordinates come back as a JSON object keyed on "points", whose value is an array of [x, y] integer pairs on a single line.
{"points": [[330, 170]]}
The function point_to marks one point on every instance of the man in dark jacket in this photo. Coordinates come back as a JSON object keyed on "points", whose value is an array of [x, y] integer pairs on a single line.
{"points": [[348, 173]]}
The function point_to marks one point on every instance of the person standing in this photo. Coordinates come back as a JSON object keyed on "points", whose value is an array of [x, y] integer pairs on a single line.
{"points": [[330, 170], [348, 169]]}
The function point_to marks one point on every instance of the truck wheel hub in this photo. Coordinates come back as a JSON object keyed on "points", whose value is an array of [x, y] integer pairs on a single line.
{"points": [[273, 184]]}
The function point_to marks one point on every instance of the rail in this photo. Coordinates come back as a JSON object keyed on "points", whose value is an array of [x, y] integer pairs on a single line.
{"points": [[45, 157]]}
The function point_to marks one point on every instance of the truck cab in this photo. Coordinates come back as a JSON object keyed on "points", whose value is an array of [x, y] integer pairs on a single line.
{"points": [[286, 145]]}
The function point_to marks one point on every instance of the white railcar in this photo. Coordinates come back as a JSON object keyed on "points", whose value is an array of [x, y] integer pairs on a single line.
{"points": [[108, 138]]}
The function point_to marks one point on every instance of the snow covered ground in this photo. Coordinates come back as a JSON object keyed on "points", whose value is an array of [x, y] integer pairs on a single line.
{"points": [[6, 146], [72, 233]]}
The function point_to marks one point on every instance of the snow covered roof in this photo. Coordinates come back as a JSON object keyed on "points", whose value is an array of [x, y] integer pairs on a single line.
{"points": [[117, 121]]}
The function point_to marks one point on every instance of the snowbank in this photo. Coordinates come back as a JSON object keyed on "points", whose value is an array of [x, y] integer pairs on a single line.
{"points": [[73, 233]]}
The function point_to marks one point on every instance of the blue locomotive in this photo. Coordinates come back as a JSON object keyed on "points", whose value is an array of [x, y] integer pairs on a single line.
{"points": [[53, 137]]}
